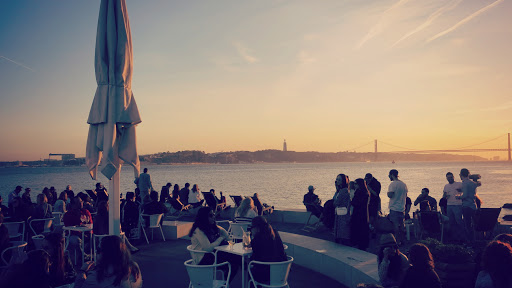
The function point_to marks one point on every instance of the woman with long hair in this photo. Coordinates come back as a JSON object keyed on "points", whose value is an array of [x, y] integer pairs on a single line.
{"points": [[497, 266], [205, 235], [62, 270], [43, 209], [342, 210], [114, 268], [266, 247], [391, 262], [194, 197], [60, 204], [359, 220], [246, 211], [421, 274]]}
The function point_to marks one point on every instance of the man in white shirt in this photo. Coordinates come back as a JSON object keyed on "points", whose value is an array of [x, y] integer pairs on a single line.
{"points": [[451, 192], [397, 193]]}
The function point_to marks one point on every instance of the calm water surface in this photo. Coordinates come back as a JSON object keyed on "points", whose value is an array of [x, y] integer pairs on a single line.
{"points": [[281, 185]]}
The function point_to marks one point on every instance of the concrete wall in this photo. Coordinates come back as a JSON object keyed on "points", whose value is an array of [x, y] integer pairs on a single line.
{"points": [[346, 265]]}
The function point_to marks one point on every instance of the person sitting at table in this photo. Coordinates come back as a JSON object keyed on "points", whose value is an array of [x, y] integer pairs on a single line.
{"points": [[87, 200], [101, 225], [62, 270], [266, 247], [43, 209], [246, 211], [205, 235], [60, 205], [33, 272], [77, 216], [114, 268]]}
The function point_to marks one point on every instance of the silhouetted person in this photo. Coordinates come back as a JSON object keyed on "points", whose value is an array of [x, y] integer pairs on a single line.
{"points": [[425, 197]]}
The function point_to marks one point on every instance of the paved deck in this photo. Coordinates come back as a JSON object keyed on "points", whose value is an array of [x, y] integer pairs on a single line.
{"points": [[161, 264]]}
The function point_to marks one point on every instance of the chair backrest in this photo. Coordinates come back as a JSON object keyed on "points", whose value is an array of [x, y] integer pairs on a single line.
{"points": [[14, 229], [154, 219], [41, 224], [96, 243], [237, 199], [57, 218], [17, 254], [486, 219], [430, 221], [310, 207], [237, 229], [205, 275], [38, 241], [210, 200], [193, 253], [279, 271]]}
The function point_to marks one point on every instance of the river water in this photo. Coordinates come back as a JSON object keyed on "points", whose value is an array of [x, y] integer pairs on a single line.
{"points": [[280, 185]]}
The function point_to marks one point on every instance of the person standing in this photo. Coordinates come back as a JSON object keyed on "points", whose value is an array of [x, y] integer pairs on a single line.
{"points": [[468, 202], [397, 193], [342, 210], [145, 186], [374, 188], [454, 206], [359, 221], [101, 193]]}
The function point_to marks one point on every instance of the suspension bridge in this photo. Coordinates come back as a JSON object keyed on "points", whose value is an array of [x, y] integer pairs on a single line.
{"points": [[466, 149]]}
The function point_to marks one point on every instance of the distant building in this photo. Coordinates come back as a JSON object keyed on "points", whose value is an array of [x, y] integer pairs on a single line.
{"points": [[284, 146]]}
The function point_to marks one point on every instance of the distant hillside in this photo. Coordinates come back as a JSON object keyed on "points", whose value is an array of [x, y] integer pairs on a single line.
{"points": [[277, 156]]}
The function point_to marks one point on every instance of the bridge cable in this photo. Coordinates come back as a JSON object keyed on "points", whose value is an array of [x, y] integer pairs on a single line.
{"points": [[481, 143]]}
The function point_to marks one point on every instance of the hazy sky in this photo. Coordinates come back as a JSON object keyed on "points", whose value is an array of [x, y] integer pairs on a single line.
{"points": [[244, 75]]}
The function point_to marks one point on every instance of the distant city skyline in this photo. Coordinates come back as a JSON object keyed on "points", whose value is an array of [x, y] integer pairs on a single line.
{"points": [[235, 75]]}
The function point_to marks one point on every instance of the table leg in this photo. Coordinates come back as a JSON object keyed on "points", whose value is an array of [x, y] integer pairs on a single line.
{"points": [[243, 272], [83, 248]]}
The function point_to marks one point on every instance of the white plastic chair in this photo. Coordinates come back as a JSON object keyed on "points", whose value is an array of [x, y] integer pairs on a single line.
{"points": [[96, 238], [205, 275], [14, 229], [38, 241], [57, 218], [154, 222], [236, 230], [16, 254], [279, 272], [192, 252], [47, 225]]}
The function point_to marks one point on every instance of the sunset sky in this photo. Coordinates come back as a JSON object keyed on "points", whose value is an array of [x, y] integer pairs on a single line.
{"points": [[244, 75]]}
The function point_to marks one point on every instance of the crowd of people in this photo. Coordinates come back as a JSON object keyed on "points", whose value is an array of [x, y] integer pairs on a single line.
{"points": [[355, 209]]}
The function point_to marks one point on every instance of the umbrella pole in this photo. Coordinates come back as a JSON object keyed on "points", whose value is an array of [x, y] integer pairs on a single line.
{"points": [[114, 223]]}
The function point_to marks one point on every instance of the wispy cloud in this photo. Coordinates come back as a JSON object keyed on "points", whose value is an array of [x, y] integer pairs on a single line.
{"points": [[245, 53], [465, 20], [305, 57], [501, 107], [17, 63], [377, 28], [429, 20]]}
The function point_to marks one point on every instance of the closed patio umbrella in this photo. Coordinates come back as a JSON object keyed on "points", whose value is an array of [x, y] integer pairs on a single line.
{"points": [[114, 113]]}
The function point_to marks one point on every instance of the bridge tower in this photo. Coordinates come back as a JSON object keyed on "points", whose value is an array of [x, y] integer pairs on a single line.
{"points": [[509, 147], [376, 145]]}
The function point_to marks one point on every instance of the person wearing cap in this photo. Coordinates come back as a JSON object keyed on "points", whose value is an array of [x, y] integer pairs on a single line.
{"points": [[397, 193], [374, 188], [391, 262], [312, 199], [14, 194]]}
